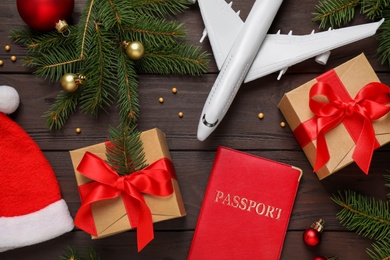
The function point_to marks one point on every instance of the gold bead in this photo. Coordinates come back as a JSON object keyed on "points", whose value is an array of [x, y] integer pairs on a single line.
{"points": [[78, 130], [1, 62], [174, 90], [13, 58], [7, 47], [260, 115], [282, 124], [161, 100], [135, 50], [180, 114]]}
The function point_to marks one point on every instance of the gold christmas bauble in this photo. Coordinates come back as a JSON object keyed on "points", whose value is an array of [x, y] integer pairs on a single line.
{"points": [[68, 82], [135, 50]]}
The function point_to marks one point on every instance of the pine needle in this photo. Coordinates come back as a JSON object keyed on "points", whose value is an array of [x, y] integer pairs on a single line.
{"points": [[335, 12], [373, 9], [381, 250], [74, 254], [125, 152], [94, 48], [364, 215]]}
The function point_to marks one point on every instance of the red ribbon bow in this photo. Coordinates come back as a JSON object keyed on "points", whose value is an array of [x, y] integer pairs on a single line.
{"points": [[154, 179], [370, 103]]}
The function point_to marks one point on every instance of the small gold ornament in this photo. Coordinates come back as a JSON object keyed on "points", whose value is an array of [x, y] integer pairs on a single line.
{"points": [[1, 62], [282, 124], [161, 100], [13, 58], [134, 50], [70, 81], [7, 47], [78, 130], [174, 90], [180, 114], [260, 115]]}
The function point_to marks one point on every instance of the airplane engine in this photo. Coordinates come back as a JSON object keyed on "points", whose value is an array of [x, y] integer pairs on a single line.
{"points": [[323, 58]]}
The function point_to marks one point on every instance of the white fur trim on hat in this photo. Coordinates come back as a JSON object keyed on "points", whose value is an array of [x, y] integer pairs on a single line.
{"points": [[47, 223]]}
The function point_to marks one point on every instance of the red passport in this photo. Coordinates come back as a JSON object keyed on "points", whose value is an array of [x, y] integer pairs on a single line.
{"points": [[246, 208]]}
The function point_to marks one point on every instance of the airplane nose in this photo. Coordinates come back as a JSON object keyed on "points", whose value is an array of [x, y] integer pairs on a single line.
{"points": [[201, 135], [203, 131]]}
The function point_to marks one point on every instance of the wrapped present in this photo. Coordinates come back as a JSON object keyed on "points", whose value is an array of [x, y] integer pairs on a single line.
{"points": [[112, 204], [340, 117]]}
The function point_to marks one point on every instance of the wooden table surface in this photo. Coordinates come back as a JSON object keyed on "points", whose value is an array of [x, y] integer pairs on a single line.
{"points": [[241, 129]]}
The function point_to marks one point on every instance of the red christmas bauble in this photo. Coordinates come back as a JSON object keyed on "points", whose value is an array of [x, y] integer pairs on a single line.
{"points": [[42, 15], [311, 237], [320, 258]]}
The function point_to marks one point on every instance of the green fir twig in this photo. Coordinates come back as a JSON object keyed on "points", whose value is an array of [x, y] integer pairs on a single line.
{"points": [[95, 48], [365, 215], [335, 12], [381, 250], [73, 254], [125, 152]]}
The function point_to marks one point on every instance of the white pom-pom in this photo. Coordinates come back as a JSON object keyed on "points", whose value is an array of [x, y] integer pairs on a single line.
{"points": [[9, 99]]}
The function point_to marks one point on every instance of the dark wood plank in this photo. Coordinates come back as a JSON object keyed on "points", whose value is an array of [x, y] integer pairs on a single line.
{"points": [[175, 245], [241, 129]]}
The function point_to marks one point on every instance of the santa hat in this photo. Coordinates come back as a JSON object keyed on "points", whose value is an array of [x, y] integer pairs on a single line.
{"points": [[31, 207]]}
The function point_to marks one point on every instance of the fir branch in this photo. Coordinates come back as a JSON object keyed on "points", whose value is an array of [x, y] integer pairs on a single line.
{"points": [[74, 254], [127, 89], [384, 39], [70, 254], [373, 9], [94, 48], [54, 64], [364, 215], [64, 105], [335, 12], [179, 59], [125, 152], [38, 41], [381, 248], [100, 65], [47, 49], [159, 8], [157, 32]]}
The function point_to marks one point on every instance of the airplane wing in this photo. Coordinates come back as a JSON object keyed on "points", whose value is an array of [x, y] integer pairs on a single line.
{"points": [[222, 26], [278, 52]]}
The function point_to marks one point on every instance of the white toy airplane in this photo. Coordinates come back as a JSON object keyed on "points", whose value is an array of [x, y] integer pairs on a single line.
{"points": [[244, 51]]}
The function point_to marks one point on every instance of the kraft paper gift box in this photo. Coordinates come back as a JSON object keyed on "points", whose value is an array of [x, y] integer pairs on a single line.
{"points": [[354, 74], [110, 216]]}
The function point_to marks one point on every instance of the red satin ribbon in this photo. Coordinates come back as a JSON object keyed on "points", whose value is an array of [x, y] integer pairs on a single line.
{"points": [[370, 103], [154, 179]]}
